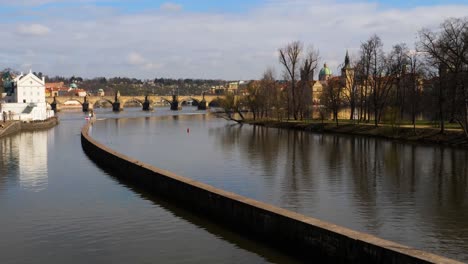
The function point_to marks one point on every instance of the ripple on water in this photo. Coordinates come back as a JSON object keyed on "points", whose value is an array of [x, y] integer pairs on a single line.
{"points": [[401, 192]]}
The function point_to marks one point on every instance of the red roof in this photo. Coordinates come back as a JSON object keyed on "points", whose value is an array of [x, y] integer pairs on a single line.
{"points": [[54, 85]]}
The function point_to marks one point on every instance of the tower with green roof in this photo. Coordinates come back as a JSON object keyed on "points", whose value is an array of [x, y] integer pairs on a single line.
{"points": [[325, 73]]}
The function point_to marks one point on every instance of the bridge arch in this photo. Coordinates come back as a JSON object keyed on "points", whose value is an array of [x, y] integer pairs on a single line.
{"points": [[65, 101], [100, 100], [195, 102], [165, 100], [216, 102], [136, 100]]}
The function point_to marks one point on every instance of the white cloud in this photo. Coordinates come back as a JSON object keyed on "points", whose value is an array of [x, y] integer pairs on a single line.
{"points": [[172, 7], [152, 66], [33, 29], [135, 58], [209, 45]]}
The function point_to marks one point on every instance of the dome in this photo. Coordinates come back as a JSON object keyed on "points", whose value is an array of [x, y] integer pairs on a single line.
{"points": [[325, 70], [325, 73], [73, 86]]}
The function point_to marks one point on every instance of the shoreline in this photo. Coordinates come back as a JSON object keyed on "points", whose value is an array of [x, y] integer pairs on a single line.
{"points": [[16, 126], [422, 135]]}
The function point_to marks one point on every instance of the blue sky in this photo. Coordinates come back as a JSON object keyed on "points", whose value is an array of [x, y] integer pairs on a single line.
{"points": [[200, 39], [202, 5]]}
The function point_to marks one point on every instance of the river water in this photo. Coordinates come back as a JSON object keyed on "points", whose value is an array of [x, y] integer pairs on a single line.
{"points": [[58, 206]]}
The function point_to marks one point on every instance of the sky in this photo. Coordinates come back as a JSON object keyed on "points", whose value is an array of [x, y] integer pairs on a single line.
{"points": [[205, 39]]}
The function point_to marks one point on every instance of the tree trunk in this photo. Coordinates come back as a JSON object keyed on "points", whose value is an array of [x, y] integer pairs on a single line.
{"points": [[441, 107], [336, 116]]}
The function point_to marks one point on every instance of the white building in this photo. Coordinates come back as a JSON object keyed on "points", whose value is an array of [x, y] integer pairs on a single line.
{"points": [[25, 99]]}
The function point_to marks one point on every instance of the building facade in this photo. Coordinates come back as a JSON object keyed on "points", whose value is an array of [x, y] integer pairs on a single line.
{"points": [[24, 98]]}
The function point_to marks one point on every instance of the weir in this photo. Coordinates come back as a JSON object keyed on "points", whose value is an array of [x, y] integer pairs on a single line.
{"points": [[309, 238]]}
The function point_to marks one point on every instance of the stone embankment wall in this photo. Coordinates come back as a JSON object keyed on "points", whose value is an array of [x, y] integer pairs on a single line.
{"points": [[12, 127], [308, 238]]}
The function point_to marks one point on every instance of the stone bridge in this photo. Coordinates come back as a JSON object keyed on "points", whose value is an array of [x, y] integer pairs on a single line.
{"points": [[146, 102]]}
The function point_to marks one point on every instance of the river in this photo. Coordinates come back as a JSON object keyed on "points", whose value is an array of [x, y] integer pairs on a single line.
{"points": [[59, 204]]}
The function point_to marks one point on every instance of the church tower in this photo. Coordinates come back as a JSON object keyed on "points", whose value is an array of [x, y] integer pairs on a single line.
{"points": [[347, 73]]}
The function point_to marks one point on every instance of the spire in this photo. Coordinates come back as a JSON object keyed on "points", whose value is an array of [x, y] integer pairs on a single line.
{"points": [[346, 60]]}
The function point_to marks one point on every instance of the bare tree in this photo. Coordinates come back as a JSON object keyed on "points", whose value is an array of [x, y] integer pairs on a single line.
{"points": [[231, 105], [254, 98], [331, 97], [379, 73], [412, 81], [400, 63], [303, 65], [307, 69], [289, 57], [447, 51], [270, 92], [429, 43], [366, 55]]}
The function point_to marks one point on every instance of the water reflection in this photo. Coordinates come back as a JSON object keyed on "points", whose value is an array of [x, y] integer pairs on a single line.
{"points": [[85, 217], [8, 161], [415, 195], [242, 241], [25, 156]]}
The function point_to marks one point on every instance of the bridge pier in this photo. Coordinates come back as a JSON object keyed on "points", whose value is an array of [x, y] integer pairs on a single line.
{"points": [[202, 105], [53, 105], [175, 106], [116, 107], [174, 103], [85, 107], [116, 103], [146, 104]]}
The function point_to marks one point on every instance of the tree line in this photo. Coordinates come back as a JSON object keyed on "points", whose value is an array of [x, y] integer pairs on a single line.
{"points": [[401, 85]]}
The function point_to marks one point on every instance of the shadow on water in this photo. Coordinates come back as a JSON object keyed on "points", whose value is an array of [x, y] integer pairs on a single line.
{"points": [[244, 241]]}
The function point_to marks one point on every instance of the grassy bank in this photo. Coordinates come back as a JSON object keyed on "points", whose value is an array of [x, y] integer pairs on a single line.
{"points": [[422, 134]]}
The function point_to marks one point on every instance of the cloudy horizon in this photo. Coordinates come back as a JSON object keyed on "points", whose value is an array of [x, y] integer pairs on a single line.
{"points": [[179, 39]]}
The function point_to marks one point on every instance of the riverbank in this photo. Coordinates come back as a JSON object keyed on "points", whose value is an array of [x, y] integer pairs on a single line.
{"points": [[12, 127], [425, 135]]}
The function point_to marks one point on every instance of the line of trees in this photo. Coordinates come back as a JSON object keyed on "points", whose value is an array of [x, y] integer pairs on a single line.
{"points": [[399, 85], [447, 56], [290, 98]]}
